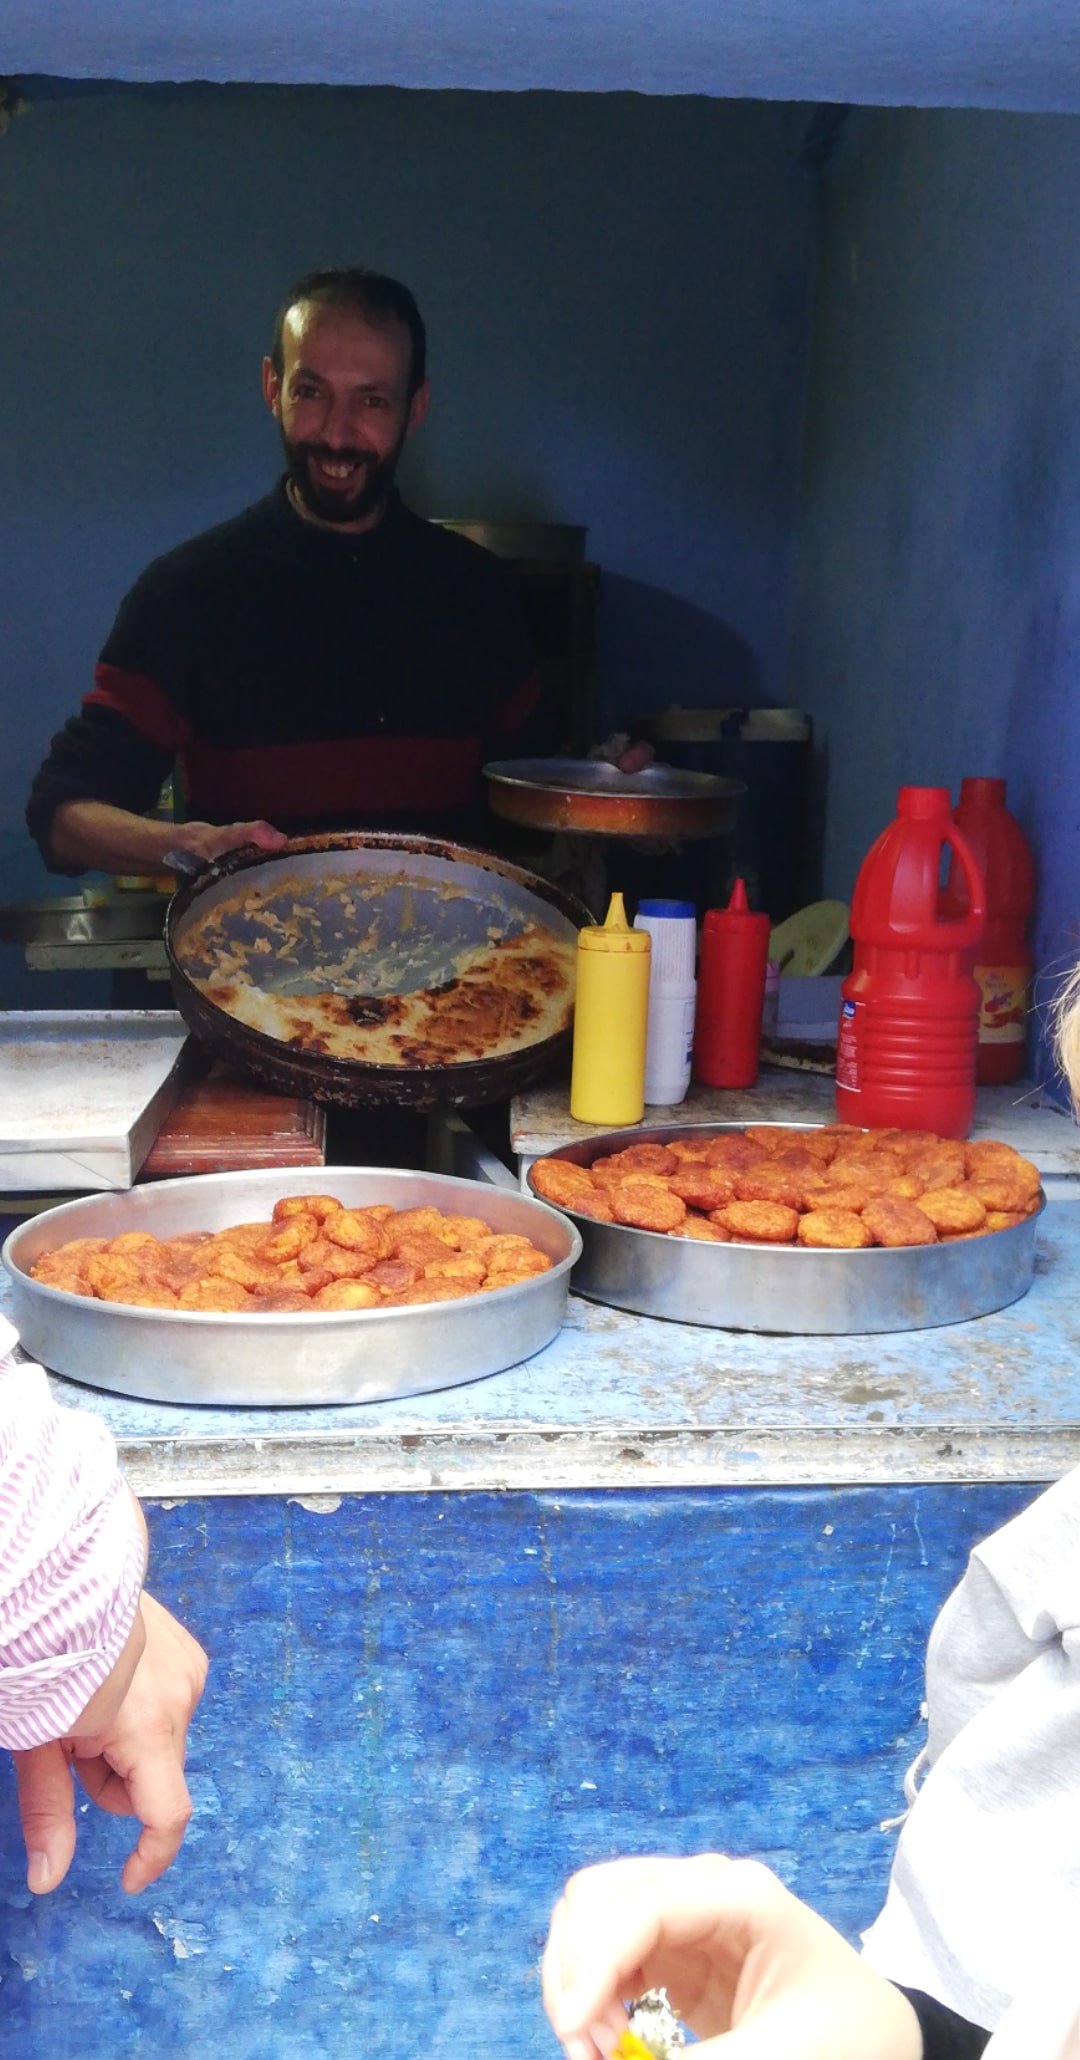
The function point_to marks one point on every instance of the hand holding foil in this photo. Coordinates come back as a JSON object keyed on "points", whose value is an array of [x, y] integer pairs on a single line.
{"points": [[752, 1971]]}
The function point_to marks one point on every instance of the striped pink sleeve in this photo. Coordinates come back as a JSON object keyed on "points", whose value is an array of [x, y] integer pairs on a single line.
{"points": [[71, 1557]]}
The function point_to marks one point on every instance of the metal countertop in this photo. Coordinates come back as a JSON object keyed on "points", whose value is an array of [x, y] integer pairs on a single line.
{"points": [[626, 1401]]}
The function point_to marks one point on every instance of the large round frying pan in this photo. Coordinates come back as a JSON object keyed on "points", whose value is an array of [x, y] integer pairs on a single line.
{"points": [[433, 897]]}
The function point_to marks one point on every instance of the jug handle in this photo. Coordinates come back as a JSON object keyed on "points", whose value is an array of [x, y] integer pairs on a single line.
{"points": [[968, 928]]}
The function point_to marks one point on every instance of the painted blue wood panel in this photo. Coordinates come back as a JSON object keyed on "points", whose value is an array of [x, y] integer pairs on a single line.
{"points": [[424, 1710]]}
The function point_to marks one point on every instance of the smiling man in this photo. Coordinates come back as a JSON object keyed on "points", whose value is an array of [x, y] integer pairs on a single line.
{"points": [[325, 659]]}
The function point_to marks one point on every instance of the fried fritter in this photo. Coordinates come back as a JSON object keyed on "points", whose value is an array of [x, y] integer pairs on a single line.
{"points": [[347, 1294], [219, 1297], [461, 1266], [951, 1209], [690, 1151], [594, 1204], [646, 1204], [289, 1240], [765, 1185], [644, 1158], [319, 1206], [759, 1223], [283, 1302], [358, 1232], [731, 1152], [703, 1232], [897, 1220], [702, 1186], [1006, 1186], [833, 1230], [327, 1261], [560, 1180], [1003, 1219]]}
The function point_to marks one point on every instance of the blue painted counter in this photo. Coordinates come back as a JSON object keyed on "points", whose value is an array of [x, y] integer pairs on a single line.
{"points": [[621, 1400], [424, 1710]]}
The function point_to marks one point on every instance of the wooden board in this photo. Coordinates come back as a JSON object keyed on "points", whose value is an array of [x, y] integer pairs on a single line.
{"points": [[224, 1124]]}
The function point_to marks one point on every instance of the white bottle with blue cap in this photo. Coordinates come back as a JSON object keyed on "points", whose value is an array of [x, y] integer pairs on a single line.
{"points": [[672, 926]]}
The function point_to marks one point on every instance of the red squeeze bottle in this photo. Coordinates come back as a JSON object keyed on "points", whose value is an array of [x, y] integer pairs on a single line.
{"points": [[731, 993], [909, 1010], [1001, 962]]}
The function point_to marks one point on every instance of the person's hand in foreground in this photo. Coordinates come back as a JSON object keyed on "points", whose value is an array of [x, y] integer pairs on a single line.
{"points": [[128, 1750], [754, 1972], [212, 840]]}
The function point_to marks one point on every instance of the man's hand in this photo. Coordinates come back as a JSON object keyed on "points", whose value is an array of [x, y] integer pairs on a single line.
{"points": [[752, 1970], [128, 1750], [212, 840], [112, 840]]}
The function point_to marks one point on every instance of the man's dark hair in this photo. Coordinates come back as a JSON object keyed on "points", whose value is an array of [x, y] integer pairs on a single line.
{"points": [[370, 294]]}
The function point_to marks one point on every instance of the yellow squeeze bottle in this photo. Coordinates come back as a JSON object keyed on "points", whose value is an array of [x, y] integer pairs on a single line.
{"points": [[611, 1015]]}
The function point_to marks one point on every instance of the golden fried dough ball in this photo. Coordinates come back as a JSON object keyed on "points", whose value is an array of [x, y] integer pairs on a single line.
{"points": [[559, 1180], [465, 1231], [319, 1206], [1002, 1219], [644, 1158], [439, 1291], [357, 1232], [222, 1297], [595, 1205], [690, 1151], [897, 1220], [393, 1275], [249, 1272], [1010, 1185], [820, 1141], [837, 1230], [66, 1266], [131, 1242], [911, 1144], [732, 1153], [702, 1186], [765, 1185], [703, 1232], [327, 1261], [849, 1195], [874, 1172], [646, 1205], [421, 1249], [460, 1266], [940, 1165], [240, 1237], [151, 1295], [106, 1268], [283, 1302], [952, 1208], [759, 1223], [423, 1219], [347, 1294], [289, 1240], [906, 1188]]}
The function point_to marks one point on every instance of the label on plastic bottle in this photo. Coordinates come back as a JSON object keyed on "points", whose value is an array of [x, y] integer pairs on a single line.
{"points": [[847, 1047], [1003, 1003]]}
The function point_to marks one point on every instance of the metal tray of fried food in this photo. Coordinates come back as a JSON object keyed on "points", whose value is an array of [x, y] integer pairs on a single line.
{"points": [[792, 1290], [286, 1360]]}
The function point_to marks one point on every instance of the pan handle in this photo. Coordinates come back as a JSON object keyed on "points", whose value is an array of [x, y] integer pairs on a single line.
{"points": [[184, 863]]}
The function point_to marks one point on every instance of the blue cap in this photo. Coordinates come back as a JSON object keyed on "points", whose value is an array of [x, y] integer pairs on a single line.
{"points": [[672, 909]]}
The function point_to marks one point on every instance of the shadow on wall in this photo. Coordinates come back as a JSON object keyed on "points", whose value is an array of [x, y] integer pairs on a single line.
{"points": [[657, 650]]}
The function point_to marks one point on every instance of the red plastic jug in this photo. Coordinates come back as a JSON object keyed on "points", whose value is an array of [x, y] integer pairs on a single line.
{"points": [[1001, 962], [909, 1009]]}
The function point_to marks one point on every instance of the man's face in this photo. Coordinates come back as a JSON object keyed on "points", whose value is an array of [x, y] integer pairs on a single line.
{"points": [[341, 406]]}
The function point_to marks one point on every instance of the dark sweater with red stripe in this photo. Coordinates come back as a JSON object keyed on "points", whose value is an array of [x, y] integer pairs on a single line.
{"points": [[318, 680]]}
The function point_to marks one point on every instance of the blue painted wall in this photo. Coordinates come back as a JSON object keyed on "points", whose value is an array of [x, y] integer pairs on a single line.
{"points": [[617, 295], [936, 623]]}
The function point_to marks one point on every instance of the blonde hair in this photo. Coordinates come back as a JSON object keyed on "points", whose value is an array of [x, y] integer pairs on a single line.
{"points": [[1065, 1024]]}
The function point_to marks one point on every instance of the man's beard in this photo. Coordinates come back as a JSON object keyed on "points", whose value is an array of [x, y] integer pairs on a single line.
{"points": [[374, 479]]}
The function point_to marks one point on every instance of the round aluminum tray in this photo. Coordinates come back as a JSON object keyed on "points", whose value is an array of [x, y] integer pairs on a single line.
{"points": [[286, 1361], [792, 1289], [593, 797]]}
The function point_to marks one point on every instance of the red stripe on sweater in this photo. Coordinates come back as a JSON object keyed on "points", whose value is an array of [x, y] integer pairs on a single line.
{"points": [[345, 776], [519, 707], [141, 702]]}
